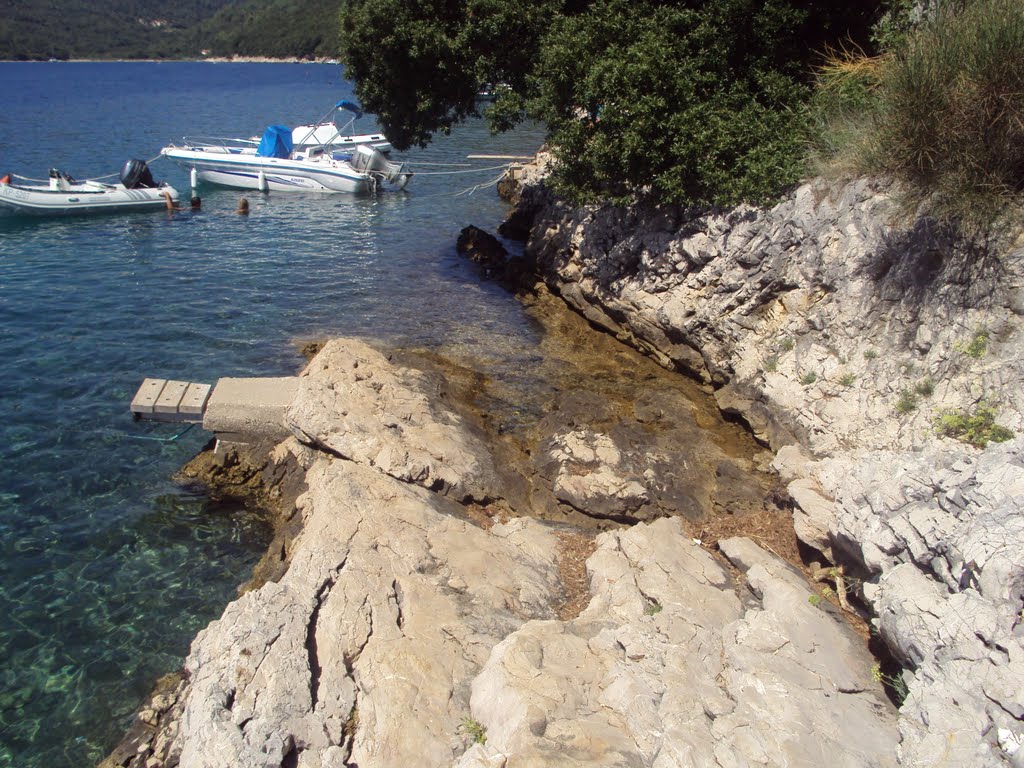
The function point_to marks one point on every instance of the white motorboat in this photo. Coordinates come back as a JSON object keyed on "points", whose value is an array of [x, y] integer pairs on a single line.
{"points": [[274, 164], [63, 196], [326, 133]]}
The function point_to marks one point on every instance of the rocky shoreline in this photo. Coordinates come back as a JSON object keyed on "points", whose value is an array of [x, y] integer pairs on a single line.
{"points": [[425, 600], [843, 337]]}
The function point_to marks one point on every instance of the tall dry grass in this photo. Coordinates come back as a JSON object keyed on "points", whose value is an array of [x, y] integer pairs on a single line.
{"points": [[944, 115]]}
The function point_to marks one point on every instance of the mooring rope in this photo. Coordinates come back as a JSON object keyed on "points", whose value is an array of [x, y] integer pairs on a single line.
{"points": [[453, 173], [170, 439], [480, 186], [467, 191], [444, 165], [79, 181]]}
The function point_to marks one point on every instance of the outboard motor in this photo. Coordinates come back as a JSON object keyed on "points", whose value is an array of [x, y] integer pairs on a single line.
{"points": [[136, 174], [369, 160]]}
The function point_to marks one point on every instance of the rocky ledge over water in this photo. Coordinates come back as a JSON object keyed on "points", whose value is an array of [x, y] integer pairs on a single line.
{"points": [[420, 622], [875, 355], [462, 584]]}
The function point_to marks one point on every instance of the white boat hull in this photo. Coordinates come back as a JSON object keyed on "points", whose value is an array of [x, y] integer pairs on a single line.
{"points": [[277, 182], [306, 171], [80, 198], [244, 170]]}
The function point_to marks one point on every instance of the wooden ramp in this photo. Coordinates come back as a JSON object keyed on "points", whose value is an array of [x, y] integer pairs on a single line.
{"points": [[182, 402]]}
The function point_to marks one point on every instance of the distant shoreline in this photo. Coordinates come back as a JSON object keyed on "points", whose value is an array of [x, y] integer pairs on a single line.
{"points": [[209, 59]]}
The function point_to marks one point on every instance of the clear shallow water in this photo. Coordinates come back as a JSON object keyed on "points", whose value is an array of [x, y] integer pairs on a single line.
{"points": [[107, 569]]}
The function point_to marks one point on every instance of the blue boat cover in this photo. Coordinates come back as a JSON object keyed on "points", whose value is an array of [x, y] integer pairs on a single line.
{"points": [[351, 106], [276, 142]]}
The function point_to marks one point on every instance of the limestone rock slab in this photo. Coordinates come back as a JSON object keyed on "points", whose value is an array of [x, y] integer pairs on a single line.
{"points": [[363, 652], [354, 403], [668, 667]]}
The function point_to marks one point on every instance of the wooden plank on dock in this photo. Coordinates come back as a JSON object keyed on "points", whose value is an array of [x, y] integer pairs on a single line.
{"points": [[170, 397], [145, 399]]}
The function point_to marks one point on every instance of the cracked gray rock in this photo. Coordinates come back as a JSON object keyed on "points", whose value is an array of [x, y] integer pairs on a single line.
{"points": [[349, 391], [814, 319], [668, 667], [364, 651]]}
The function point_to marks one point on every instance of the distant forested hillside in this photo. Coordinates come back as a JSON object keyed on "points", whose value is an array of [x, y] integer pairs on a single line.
{"points": [[278, 28], [144, 29]]}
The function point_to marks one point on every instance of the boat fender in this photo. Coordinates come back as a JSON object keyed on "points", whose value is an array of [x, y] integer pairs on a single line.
{"points": [[6, 179], [261, 181]]}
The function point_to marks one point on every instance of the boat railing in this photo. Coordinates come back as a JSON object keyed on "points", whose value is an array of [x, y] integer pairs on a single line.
{"points": [[218, 144]]}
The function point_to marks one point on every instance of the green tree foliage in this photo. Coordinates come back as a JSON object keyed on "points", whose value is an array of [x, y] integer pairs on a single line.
{"points": [[273, 28], [419, 63], [691, 102]]}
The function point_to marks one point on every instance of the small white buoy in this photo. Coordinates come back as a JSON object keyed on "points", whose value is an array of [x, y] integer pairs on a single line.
{"points": [[262, 182], [193, 178]]}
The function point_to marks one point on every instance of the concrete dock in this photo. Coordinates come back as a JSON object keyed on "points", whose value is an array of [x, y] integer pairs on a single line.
{"points": [[234, 409]]}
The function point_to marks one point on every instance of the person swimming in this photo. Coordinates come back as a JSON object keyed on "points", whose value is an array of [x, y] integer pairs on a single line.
{"points": [[243, 207], [194, 204]]}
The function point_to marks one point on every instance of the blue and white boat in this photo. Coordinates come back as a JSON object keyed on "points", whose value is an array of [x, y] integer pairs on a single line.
{"points": [[273, 163]]}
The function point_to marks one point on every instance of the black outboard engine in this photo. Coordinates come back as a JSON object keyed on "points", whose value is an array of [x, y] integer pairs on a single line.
{"points": [[136, 174]]}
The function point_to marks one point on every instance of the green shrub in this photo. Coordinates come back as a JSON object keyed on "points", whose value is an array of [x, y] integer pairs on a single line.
{"points": [[944, 114], [840, 110], [870, 354], [896, 22], [474, 730], [907, 402], [925, 387], [847, 379], [809, 378], [893, 683], [771, 363], [787, 344], [977, 346], [978, 428]]}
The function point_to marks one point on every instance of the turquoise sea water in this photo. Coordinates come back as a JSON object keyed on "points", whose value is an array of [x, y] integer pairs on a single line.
{"points": [[107, 568]]}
